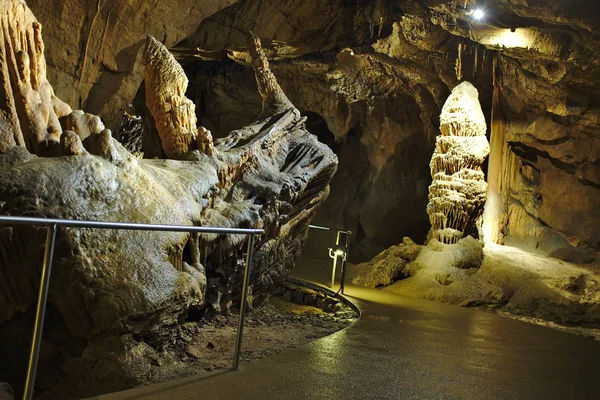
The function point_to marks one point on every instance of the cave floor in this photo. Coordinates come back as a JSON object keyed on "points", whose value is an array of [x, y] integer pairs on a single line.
{"points": [[408, 348]]}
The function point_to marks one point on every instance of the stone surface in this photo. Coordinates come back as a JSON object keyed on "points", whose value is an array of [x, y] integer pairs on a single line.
{"points": [[94, 49], [174, 114], [6, 392], [111, 288], [375, 84], [387, 267], [458, 191]]}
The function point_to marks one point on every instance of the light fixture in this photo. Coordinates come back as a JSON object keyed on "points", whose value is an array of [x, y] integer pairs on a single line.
{"points": [[478, 14], [339, 251]]}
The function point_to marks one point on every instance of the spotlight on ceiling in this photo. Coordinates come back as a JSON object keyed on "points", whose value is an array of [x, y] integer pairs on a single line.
{"points": [[478, 14]]}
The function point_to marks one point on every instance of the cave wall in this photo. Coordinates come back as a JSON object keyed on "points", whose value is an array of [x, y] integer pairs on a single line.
{"points": [[546, 159], [379, 80], [380, 100], [375, 73], [94, 48]]}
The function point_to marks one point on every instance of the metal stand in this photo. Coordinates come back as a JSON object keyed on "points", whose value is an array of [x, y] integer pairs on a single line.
{"points": [[40, 312], [333, 255], [339, 251], [343, 275], [243, 303]]}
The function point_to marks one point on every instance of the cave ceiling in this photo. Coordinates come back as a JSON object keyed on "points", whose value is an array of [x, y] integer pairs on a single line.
{"points": [[373, 76]]}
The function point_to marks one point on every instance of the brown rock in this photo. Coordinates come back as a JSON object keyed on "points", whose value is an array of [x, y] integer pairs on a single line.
{"points": [[95, 50]]}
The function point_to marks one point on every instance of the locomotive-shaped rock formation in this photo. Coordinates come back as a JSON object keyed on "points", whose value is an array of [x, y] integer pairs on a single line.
{"points": [[272, 174]]}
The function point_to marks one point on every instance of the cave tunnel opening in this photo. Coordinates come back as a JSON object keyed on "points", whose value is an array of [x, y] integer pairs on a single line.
{"points": [[317, 125]]}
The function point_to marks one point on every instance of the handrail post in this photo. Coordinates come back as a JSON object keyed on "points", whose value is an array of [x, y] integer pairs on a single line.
{"points": [[40, 312], [240, 332], [343, 282]]}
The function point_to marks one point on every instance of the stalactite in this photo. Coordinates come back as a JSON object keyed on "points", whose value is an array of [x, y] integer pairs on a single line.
{"points": [[475, 60], [458, 66]]}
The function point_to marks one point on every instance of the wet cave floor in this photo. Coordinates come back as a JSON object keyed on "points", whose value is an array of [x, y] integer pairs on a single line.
{"points": [[293, 318], [278, 324]]}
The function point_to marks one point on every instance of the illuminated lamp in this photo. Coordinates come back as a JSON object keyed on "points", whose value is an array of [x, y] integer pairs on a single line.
{"points": [[478, 14]]}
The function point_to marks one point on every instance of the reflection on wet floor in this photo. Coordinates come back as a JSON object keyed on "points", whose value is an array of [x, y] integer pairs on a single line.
{"points": [[405, 348]]}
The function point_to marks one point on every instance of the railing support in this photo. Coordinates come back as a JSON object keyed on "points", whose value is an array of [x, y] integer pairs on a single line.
{"points": [[53, 223], [40, 312], [244, 301], [335, 257]]}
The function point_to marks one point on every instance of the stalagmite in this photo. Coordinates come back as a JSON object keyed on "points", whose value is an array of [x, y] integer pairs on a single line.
{"points": [[174, 113], [274, 101], [31, 112], [458, 191]]}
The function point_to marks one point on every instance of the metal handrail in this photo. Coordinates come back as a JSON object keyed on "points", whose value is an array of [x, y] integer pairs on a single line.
{"points": [[54, 223]]}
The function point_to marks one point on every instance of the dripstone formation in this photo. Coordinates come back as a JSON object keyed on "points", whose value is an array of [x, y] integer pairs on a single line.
{"points": [[113, 292], [458, 191]]}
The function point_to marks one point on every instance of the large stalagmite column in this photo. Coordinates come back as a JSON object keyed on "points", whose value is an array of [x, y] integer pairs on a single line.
{"points": [[458, 191]]}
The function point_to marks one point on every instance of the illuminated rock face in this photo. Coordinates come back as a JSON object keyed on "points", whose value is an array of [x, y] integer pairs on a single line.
{"points": [[458, 191], [272, 174], [175, 114]]}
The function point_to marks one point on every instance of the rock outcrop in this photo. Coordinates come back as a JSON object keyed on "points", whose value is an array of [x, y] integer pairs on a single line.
{"points": [[130, 287], [458, 191]]}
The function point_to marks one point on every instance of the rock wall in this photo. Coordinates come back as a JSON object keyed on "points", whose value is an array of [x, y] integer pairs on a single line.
{"points": [[373, 75], [94, 48], [376, 83], [545, 162]]}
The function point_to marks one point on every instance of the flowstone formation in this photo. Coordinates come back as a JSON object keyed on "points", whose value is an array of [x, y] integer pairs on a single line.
{"points": [[115, 295], [458, 191]]}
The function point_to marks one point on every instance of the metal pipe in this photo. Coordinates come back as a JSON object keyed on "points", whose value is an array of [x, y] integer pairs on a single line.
{"points": [[343, 279], [335, 257], [348, 233], [40, 312], [240, 333], [319, 227], [123, 225]]}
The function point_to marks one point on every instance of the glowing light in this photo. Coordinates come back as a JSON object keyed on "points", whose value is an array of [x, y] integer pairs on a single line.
{"points": [[478, 14], [514, 39], [518, 38]]}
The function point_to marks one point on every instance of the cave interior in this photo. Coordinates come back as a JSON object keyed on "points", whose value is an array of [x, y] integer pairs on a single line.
{"points": [[458, 140]]}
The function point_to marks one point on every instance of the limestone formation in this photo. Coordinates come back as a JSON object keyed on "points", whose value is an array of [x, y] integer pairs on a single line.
{"points": [[32, 113], [274, 100], [175, 114], [271, 174], [458, 191], [377, 102], [31, 110], [94, 49]]}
